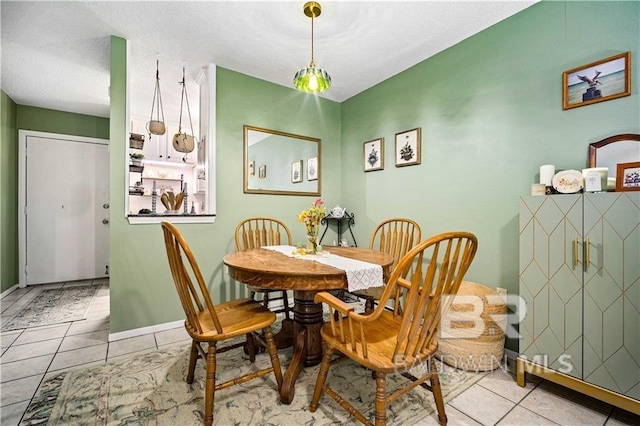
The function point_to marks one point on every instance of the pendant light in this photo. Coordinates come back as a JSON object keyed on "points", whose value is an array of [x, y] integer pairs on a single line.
{"points": [[157, 126], [312, 79]]}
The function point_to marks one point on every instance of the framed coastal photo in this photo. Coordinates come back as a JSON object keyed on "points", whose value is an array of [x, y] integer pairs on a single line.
{"points": [[296, 171], [373, 155], [628, 176], [602, 80], [312, 168], [262, 171], [408, 151]]}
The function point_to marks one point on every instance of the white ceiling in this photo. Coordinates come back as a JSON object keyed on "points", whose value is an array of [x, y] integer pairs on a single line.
{"points": [[55, 54]]}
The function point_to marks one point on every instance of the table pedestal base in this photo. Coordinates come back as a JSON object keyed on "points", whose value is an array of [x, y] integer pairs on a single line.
{"points": [[307, 346]]}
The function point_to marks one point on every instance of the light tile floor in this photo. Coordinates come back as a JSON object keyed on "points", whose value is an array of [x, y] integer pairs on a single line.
{"points": [[29, 355]]}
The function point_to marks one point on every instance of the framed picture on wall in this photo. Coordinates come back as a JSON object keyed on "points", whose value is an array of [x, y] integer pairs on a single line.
{"points": [[628, 176], [262, 171], [373, 155], [312, 168], [252, 168], [408, 152], [602, 80], [296, 171]]}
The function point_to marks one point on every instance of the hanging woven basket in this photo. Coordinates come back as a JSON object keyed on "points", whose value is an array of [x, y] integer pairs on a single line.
{"points": [[183, 142]]}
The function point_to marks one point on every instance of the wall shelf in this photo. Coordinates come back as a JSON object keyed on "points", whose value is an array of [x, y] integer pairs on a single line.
{"points": [[159, 178], [349, 217]]}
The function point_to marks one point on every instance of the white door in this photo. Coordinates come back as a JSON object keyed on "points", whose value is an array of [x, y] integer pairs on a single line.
{"points": [[67, 216]]}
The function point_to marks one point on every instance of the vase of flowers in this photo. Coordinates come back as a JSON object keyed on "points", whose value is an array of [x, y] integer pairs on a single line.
{"points": [[311, 218]]}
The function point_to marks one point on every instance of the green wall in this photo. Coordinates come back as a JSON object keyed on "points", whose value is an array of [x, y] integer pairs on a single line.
{"points": [[490, 109], [66, 123], [8, 194], [141, 287]]}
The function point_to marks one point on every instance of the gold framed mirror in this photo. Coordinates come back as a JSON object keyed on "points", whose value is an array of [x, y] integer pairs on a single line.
{"points": [[611, 151], [281, 163]]}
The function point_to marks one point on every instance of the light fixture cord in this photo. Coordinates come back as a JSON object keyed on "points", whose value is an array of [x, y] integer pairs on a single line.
{"points": [[313, 63]]}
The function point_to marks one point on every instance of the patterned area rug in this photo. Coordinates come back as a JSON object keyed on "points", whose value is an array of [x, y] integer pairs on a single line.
{"points": [[151, 389], [54, 306]]}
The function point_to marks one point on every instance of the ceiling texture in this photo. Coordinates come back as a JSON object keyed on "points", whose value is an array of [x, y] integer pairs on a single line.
{"points": [[55, 54]]}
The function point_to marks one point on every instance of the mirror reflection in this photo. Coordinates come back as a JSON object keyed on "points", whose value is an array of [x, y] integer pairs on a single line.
{"points": [[613, 150], [276, 162]]}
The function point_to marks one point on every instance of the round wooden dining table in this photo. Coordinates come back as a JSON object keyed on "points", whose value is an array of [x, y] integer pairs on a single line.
{"points": [[272, 270]]}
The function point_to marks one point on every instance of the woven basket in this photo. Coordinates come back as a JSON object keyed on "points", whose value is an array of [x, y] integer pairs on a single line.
{"points": [[474, 340]]}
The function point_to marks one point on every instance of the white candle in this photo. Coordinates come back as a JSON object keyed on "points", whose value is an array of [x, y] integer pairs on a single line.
{"points": [[546, 174], [154, 186], [185, 188]]}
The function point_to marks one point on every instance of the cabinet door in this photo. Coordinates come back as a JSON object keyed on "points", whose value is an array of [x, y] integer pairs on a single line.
{"points": [[551, 281], [612, 292]]}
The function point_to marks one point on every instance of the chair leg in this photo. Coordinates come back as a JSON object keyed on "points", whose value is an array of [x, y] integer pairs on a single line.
{"points": [[437, 392], [273, 353], [193, 357], [285, 301], [265, 299], [369, 305], [322, 378], [210, 385], [381, 399], [251, 348]]}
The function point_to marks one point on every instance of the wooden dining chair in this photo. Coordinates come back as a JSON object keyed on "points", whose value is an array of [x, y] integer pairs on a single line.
{"points": [[394, 341], [396, 237], [210, 324], [255, 232]]}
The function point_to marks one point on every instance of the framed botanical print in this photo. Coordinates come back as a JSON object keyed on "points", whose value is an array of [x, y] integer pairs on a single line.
{"points": [[312, 168], [408, 152], [373, 155], [296, 171]]}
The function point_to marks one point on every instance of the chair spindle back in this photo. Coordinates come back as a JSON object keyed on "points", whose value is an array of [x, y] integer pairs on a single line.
{"points": [[439, 266], [396, 237], [255, 232], [195, 299]]}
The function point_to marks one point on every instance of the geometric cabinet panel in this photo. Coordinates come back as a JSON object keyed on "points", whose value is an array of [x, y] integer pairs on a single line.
{"points": [[580, 280], [612, 292], [551, 281]]}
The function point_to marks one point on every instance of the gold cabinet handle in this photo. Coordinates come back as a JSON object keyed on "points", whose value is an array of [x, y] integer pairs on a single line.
{"points": [[575, 252], [587, 256]]}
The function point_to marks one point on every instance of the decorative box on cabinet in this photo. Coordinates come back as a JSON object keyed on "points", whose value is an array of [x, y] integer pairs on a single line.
{"points": [[580, 280]]}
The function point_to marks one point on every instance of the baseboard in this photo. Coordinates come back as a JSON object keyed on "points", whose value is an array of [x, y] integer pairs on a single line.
{"points": [[8, 291], [145, 330]]}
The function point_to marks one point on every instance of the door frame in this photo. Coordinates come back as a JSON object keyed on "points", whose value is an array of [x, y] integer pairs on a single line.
{"points": [[22, 189]]}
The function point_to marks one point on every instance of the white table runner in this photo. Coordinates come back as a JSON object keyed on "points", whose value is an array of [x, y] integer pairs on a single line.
{"points": [[360, 275]]}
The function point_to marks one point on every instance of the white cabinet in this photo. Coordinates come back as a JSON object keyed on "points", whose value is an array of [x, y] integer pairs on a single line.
{"points": [[160, 147]]}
